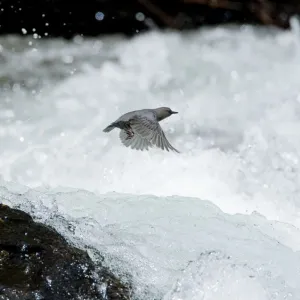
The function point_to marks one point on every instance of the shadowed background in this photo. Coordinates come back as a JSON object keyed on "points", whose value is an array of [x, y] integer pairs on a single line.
{"points": [[92, 17]]}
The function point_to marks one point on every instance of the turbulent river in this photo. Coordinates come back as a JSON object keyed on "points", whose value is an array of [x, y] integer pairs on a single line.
{"points": [[220, 221]]}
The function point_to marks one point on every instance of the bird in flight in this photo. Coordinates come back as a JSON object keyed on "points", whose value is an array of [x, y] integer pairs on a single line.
{"points": [[140, 129]]}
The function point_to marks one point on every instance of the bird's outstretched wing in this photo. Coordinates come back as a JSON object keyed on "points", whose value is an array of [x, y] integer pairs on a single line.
{"points": [[135, 142], [151, 131]]}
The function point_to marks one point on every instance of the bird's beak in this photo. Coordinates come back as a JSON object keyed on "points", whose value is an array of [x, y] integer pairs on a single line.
{"points": [[174, 112]]}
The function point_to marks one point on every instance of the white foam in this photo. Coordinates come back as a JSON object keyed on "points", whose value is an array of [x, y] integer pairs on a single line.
{"points": [[173, 247]]}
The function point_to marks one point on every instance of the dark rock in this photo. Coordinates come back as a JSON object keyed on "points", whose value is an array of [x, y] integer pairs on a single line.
{"points": [[93, 17], [37, 263]]}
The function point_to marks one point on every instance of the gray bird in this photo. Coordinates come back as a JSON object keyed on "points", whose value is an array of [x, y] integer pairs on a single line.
{"points": [[140, 129]]}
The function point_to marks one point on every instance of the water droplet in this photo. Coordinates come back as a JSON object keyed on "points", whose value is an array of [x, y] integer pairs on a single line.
{"points": [[49, 280], [140, 16], [99, 16]]}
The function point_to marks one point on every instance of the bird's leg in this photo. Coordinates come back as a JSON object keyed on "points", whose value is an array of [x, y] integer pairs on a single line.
{"points": [[129, 131]]}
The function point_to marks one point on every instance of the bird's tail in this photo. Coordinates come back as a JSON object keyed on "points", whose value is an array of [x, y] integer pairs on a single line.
{"points": [[109, 128]]}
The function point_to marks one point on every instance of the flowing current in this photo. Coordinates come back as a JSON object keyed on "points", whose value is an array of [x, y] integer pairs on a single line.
{"points": [[220, 221]]}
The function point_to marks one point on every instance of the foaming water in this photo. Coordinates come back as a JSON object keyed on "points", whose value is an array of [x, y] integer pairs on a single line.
{"points": [[172, 248], [237, 92], [238, 95]]}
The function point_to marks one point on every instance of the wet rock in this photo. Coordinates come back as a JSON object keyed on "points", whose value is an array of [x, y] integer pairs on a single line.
{"points": [[65, 18], [37, 263]]}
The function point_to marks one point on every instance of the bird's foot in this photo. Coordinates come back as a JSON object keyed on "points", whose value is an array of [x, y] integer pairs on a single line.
{"points": [[130, 134]]}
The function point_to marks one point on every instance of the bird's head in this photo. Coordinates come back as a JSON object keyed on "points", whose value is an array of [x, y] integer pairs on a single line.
{"points": [[164, 112]]}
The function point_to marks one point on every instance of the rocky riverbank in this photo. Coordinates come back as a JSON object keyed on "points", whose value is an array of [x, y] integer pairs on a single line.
{"points": [[37, 263], [48, 18]]}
